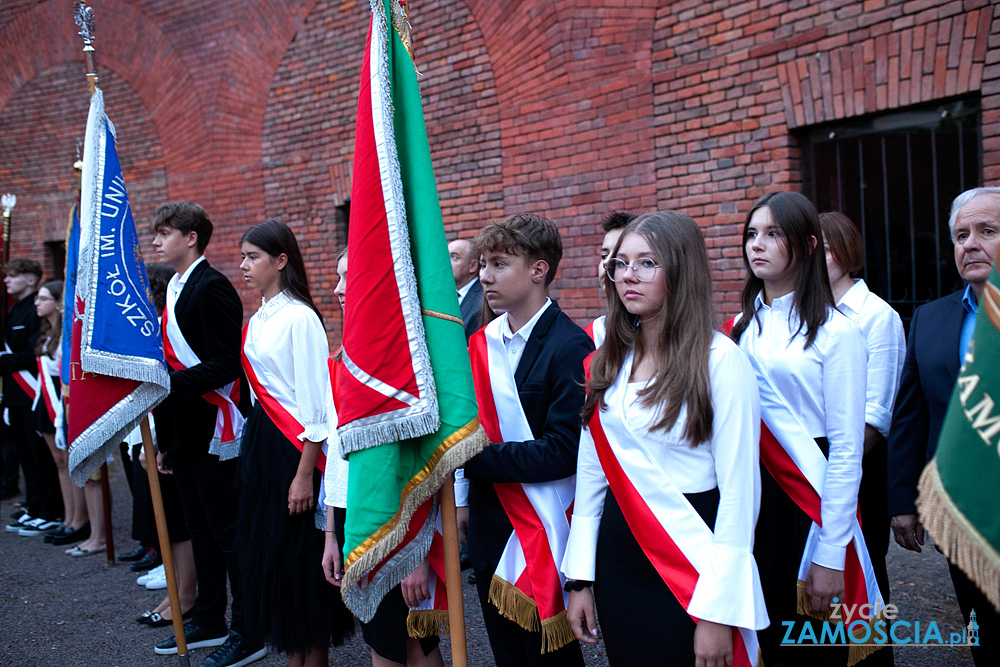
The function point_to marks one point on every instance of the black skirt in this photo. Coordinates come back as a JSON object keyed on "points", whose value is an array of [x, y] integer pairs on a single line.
{"points": [[43, 423], [386, 632], [287, 600], [641, 620], [780, 538]]}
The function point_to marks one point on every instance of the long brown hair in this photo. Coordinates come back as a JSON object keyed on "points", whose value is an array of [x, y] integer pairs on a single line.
{"points": [[797, 218], [685, 325], [48, 336]]}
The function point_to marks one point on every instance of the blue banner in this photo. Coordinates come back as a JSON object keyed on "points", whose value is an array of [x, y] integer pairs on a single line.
{"points": [[69, 289]]}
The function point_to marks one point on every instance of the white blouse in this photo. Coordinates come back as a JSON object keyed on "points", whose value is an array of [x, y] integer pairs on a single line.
{"points": [[886, 345], [728, 592], [825, 387], [287, 345]]}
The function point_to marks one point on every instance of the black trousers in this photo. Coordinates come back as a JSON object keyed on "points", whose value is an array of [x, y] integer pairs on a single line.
{"points": [[970, 598], [512, 645], [41, 477], [205, 485], [874, 503], [9, 463]]}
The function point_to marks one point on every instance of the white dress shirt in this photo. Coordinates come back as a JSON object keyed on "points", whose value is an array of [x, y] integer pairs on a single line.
{"points": [[516, 341], [825, 387], [464, 290], [178, 281], [886, 345], [729, 591], [288, 347]]}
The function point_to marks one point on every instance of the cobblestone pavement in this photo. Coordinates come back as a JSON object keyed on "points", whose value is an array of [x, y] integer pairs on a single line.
{"points": [[57, 610]]}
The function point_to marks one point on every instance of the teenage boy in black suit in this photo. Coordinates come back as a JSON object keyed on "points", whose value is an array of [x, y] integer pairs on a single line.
{"points": [[544, 351], [20, 441], [209, 314]]}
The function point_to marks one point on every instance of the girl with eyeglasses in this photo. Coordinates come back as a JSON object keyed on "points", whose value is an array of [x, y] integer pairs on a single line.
{"points": [[810, 363], [671, 425]]}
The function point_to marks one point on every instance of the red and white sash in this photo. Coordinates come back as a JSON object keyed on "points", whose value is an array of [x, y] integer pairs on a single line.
{"points": [[597, 330], [797, 464], [279, 408], [228, 420], [24, 379], [669, 530], [47, 368], [527, 586]]}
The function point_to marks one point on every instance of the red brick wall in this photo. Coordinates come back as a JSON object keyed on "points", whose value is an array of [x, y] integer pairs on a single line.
{"points": [[41, 126], [566, 108]]}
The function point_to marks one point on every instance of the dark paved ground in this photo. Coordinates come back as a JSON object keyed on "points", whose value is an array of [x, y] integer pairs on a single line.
{"points": [[62, 611]]}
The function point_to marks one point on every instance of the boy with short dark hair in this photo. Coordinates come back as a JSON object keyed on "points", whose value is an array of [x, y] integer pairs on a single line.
{"points": [[612, 226], [528, 373], [199, 426], [20, 385]]}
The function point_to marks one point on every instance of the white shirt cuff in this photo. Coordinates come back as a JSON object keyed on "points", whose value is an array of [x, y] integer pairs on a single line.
{"points": [[830, 556], [729, 592], [878, 417], [580, 560], [461, 489], [315, 432]]}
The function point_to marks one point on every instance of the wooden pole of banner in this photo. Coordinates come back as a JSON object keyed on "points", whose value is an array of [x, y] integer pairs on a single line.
{"points": [[109, 533], [453, 576], [161, 530], [9, 201], [84, 19]]}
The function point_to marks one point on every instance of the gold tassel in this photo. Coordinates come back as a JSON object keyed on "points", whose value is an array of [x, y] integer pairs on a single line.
{"points": [[427, 622], [960, 541], [556, 633], [514, 605], [858, 652], [803, 604]]}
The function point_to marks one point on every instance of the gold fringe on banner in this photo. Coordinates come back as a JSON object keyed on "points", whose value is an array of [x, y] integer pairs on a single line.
{"points": [[427, 622], [960, 541], [514, 605], [855, 652]]}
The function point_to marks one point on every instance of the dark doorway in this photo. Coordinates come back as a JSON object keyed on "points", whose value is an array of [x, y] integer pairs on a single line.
{"points": [[895, 176]]}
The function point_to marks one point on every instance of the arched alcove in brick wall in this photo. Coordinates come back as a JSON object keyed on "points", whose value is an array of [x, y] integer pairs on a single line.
{"points": [[41, 124], [308, 138]]}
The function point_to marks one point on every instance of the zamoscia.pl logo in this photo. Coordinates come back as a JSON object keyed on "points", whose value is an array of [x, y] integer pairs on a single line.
{"points": [[875, 625]]}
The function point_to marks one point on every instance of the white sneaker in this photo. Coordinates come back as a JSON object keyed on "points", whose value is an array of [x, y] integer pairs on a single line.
{"points": [[156, 583], [157, 571]]}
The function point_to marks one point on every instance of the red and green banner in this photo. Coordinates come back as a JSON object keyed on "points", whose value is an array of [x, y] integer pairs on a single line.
{"points": [[408, 415], [957, 500]]}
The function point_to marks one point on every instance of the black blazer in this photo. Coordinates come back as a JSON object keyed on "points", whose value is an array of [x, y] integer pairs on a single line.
{"points": [[471, 306], [21, 334], [550, 385], [930, 371], [210, 315]]}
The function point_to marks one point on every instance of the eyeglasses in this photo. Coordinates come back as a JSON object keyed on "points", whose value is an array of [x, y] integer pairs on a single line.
{"points": [[643, 269], [44, 298]]}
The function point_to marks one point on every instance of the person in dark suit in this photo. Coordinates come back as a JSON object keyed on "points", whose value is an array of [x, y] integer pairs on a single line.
{"points": [[544, 350], [939, 338], [465, 267], [208, 314], [21, 444]]}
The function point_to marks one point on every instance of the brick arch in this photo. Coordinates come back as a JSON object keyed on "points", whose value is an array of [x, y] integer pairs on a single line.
{"points": [[920, 63], [41, 126], [130, 44], [307, 143]]}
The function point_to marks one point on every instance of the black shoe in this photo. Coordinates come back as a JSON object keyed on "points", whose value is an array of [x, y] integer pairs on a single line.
{"points": [[196, 636], [78, 535], [471, 578], [139, 552], [147, 562], [154, 620], [58, 532], [236, 652]]}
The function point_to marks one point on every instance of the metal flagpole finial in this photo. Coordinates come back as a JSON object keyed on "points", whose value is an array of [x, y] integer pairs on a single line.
{"points": [[8, 202], [84, 17]]}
